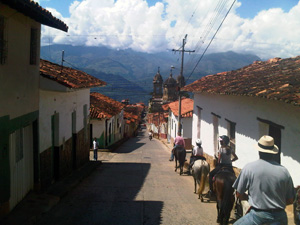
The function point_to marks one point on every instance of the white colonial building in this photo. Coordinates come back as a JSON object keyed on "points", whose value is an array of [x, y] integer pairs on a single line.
{"points": [[20, 30], [186, 120], [260, 99]]}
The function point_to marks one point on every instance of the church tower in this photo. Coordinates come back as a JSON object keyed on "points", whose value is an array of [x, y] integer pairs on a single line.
{"points": [[180, 81], [157, 85], [170, 89]]}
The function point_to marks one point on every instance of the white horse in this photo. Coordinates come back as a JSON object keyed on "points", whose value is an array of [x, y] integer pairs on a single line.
{"points": [[200, 171]]}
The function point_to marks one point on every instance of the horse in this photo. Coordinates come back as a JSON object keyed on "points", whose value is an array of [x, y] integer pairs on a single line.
{"points": [[200, 169], [179, 153], [224, 191]]}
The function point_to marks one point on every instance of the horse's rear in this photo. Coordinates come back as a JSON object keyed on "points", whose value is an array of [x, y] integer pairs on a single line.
{"points": [[200, 171], [179, 153], [224, 195]]}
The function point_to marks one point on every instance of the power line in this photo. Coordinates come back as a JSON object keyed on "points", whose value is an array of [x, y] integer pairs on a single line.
{"points": [[211, 40], [210, 24]]}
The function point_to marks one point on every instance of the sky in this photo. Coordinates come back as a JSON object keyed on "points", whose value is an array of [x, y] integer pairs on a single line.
{"points": [[267, 28]]}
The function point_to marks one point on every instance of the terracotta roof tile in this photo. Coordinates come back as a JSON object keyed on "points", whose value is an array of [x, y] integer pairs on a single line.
{"points": [[103, 107], [35, 11], [276, 79], [68, 77], [187, 106]]}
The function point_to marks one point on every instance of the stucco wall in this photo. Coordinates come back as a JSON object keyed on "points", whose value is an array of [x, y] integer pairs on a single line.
{"points": [[186, 126], [99, 131], [244, 111], [64, 104], [19, 81]]}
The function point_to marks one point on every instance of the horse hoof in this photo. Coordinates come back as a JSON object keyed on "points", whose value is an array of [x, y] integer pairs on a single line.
{"points": [[202, 200]]}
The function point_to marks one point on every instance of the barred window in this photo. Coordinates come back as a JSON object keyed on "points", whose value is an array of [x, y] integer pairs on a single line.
{"points": [[3, 42], [231, 133], [33, 46]]}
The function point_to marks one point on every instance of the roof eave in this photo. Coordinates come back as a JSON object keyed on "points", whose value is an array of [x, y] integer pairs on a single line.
{"points": [[33, 10]]}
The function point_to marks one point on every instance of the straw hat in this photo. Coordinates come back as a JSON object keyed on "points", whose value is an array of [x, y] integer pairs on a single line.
{"points": [[266, 144]]}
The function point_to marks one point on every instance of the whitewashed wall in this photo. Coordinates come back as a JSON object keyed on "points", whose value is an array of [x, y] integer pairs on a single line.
{"points": [[98, 127], [19, 81], [186, 126], [63, 103], [244, 112]]}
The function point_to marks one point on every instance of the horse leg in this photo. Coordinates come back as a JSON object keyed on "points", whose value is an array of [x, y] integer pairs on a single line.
{"points": [[218, 210], [181, 168], [175, 164], [195, 184]]}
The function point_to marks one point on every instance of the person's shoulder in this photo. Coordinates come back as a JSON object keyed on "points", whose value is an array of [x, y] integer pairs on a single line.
{"points": [[253, 164]]}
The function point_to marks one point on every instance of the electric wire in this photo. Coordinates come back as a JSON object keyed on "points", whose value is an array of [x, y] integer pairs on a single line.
{"points": [[207, 29], [211, 40]]}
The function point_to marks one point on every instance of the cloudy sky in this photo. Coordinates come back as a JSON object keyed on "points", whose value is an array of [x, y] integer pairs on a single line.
{"points": [[267, 28]]}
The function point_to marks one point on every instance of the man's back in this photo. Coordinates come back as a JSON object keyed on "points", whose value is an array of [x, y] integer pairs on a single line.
{"points": [[269, 184], [179, 141]]}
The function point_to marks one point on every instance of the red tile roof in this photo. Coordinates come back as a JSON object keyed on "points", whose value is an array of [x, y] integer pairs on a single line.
{"points": [[187, 106], [276, 79], [68, 77], [35, 11], [103, 107]]}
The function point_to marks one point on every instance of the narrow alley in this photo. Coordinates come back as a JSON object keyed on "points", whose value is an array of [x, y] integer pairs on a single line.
{"points": [[136, 184]]}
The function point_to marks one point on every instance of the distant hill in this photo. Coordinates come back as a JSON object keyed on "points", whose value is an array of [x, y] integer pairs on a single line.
{"points": [[119, 88], [130, 73]]}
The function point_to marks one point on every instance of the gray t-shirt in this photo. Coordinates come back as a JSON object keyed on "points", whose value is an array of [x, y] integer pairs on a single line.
{"points": [[225, 155], [269, 184]]}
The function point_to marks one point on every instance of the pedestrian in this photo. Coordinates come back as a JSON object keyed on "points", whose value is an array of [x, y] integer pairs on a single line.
{"points": [[178, 142], [197, 153], [269, 185], [95, 148], [225, 154]]}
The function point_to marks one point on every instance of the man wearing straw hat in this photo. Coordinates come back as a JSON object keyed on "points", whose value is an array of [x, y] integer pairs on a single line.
{"points": [[269, 185]]}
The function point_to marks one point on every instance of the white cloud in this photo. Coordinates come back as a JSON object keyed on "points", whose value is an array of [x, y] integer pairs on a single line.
{"points": [[133, 24]]}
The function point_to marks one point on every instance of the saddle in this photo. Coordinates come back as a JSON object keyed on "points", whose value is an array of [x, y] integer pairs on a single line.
{"points": [[199, 158], [223, 169]]}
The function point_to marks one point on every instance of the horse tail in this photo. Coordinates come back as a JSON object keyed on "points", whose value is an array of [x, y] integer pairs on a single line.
{"points": [[202, 183], [204, 172], [227, 201]]}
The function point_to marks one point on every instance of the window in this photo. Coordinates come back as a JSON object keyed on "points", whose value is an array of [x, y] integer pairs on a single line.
{"points": [[3, 42], [198, 121], [216, 131], [231, 133], [33, 46], [272, 129]]}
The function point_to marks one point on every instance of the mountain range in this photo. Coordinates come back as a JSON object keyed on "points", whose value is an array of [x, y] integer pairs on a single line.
{"points": [[129, 74]]}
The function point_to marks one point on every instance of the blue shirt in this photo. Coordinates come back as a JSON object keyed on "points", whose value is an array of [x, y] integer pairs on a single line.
{"points": [[268, 183]]}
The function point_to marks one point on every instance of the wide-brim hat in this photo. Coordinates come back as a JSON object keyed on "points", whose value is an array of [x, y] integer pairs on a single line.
{"points": [[266, 144]]}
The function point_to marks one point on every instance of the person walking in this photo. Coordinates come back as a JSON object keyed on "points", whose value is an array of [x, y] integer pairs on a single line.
{"points": [[178, 142], [225, 154], [269, 185], [95, 148]]}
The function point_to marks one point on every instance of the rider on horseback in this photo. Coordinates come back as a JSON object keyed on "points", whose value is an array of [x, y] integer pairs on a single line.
{"points": [[224, 160], [197, 153]]}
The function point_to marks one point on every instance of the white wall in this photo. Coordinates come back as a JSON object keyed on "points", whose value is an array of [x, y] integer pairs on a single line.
{"points": [[63, 103], [186, 126], [244, 111], [19, 81], [98, 127]]}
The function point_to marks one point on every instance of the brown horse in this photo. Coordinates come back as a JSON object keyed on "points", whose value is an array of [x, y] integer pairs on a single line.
{"points": [[179, 153], [224, 194]]}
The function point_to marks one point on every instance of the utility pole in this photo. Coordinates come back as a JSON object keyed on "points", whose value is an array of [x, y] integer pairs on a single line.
{"points": [[62, 60], [181, 85]]}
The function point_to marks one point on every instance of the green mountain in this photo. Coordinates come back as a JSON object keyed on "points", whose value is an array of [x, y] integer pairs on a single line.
{"points": [[129, 74]]}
